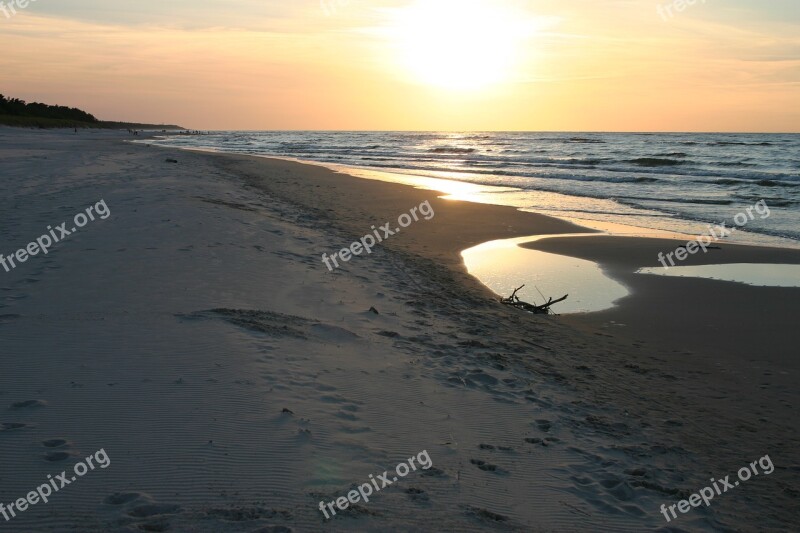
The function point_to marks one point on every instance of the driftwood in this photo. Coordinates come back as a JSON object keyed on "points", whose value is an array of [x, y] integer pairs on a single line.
{"points": [[543, 309]]}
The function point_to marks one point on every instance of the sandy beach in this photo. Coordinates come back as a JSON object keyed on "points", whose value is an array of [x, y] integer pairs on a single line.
{"points": [[236, 383]]}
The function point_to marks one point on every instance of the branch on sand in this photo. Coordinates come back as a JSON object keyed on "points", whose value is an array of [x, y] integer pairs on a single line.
{"points": [[543, 309]]}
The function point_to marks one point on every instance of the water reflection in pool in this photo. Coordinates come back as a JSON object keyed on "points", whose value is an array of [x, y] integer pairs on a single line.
{"points": [[503, 266], [761, 275]]}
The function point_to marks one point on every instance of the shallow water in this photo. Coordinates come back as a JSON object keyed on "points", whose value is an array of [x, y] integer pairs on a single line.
{"points": [[503, 266], [760, 275]]}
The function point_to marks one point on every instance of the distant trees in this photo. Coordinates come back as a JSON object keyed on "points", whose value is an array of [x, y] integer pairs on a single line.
{"points": [[18, 108]]}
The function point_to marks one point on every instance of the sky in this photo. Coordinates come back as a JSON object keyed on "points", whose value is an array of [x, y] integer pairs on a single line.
{"points": [[455, 65]]}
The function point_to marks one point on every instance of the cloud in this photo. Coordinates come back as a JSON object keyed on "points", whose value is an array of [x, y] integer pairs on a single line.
{"points": [[590, 64]]}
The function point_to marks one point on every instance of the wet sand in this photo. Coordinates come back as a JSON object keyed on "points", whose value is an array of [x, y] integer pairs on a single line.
{"points": [[711, 320]]}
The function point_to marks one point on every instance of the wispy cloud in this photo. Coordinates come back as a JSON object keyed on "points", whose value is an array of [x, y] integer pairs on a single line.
{"points": [[587, 64]]}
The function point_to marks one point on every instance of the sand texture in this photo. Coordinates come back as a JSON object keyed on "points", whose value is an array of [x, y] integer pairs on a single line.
{"points": [[235, 382]]}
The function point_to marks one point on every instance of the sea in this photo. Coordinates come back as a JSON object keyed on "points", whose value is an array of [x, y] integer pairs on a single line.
{"points": [[672, 182]]}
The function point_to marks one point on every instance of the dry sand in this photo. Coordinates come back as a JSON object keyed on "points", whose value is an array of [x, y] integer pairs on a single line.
{"points": [[177, 334]]}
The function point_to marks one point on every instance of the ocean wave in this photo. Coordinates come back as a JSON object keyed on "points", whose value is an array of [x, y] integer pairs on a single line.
{"points": [[737, 143], [775, 183], [748, 182], [584, 140], [451, 150], [655, 162], [478, 172], [724, 181], [577, 161], [694, 201], [779, 202], [735, 164], [771, 202]]}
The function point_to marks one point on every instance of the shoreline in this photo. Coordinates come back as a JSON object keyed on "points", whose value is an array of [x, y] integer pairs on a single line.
{"points": [[618, 257], [618, 262], [485, 193], [617, 266]]}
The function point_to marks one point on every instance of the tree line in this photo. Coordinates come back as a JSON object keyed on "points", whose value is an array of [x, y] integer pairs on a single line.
{"points": [[19, 108]]}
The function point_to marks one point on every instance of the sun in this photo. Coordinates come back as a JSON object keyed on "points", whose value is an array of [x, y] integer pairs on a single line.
{"points": [[457, 44]]}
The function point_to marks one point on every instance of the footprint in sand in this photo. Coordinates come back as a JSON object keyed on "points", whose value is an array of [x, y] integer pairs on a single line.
{"points": [[479, 376], [433, 472], [486, 467], [153, 509], [485, 514], [333, 333], [55, 457], [28, 403], [547, 441], [356, 430], [417, 494], [54, 443], [11, 426], [618, 488], [121, 498], [334, 398]]}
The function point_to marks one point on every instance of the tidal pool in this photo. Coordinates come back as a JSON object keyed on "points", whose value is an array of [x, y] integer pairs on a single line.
{"points": [[760, 275], [503, 266]]}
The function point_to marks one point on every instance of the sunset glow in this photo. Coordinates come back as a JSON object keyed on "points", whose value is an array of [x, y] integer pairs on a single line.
{"points": [[413, 65], [458, 45]]}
